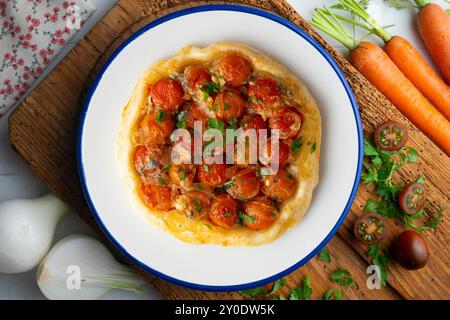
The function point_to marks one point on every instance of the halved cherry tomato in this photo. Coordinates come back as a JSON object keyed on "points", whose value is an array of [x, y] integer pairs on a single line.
{"points": [[224, 211], [280, 186], [194, 77], [234, 69], [195, 204], [284, 152], [155, 128], [263, 92], [191, 112], [212, 175], [157, 197], [369, 228], [229, 105], [411, 250], [150, 157], [288, 121], [244, 185], [182, 174], [412, 198], [166, 94], [390, 136], [260, 213], [252, 121], [141, 159]]}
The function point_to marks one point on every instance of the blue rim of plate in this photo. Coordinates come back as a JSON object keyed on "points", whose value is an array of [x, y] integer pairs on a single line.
{"points": [[235, 8]]}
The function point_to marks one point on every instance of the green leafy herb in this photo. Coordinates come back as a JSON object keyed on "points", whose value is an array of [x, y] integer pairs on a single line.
{"points": [[296, 145], [246, 217], [232, 124], [303, 292], [324, 255], [280, 283], [330, 294], [420, 180], [342, 277], [313, 147], [214, 123], [210, 87], [244, 123], [380, 258], [197, 206], [254, 292], [160, 116], [227, 214], [167, 167], [162, 181]]}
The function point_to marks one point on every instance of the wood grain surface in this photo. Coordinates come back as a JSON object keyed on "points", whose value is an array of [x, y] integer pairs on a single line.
{"points": [[43, 129]]}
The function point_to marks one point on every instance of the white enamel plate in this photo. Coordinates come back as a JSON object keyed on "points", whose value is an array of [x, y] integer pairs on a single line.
{"points": [[211, 267]]}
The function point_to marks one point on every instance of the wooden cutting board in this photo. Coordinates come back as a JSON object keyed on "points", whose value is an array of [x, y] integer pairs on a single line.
{"points": [[43, 127]]}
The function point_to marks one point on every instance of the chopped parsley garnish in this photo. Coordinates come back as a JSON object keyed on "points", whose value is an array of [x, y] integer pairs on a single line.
{"points": [[342, 277], [214, 123], [183, 175], [254, 292], [197, 206], [226, 106], [198, 185], [246, 217], [295, 148], [324, 255], [181, 123], [160, 116], [380, 258], [313, 147], [167, 167], [244, 123], [162, 181], [227, 214], [232, 124], [210, 87], [303, 292]]}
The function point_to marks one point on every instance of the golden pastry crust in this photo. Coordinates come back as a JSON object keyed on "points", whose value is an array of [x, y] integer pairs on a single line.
{"points": [[304, 165]]}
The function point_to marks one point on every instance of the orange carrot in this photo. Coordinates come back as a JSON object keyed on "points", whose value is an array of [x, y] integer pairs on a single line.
{"points": [[379, 69], [416, 69], [434, 27]]}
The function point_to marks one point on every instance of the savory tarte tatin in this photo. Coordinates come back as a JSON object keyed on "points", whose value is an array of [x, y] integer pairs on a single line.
{"points": [[225, 85]]}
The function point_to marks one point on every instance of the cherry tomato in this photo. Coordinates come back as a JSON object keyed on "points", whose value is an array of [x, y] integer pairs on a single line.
{"points": [[412, 198], [157, 197], [155, 128], [195, 77], [244, 185], [260, 213], [390, 136], [284, 153], [288, 121], [141, 159], [212, 175], [150, 157], [166, 94], [411, 250], [224, 211], [234, 69], [195, 204], [242, 155], [229, 105], [182, 174], [252, 121], [280, 186], [189, 113], [369, 228], [263, 92]]}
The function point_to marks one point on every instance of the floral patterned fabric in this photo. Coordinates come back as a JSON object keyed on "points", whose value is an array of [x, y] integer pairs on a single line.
{"points": [[31, 33]]}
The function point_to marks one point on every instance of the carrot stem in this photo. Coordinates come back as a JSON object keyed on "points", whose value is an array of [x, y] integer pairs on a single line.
{"points": [[355, 8], [421, 3]]}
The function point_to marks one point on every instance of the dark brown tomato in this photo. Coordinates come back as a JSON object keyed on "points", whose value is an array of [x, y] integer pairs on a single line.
{"points": [[260, 213], [263, 92], [280, 186], [224, 211], [166, 94], [412, 198], [284, 153], [155, 128], [182, 174], [244, 185], [288, 121], [369, 228], [189, 113], [234, 69], [195, 77], [157, 196], [390, 136], [212, 175], [229, 104], [411, 250], [195, 204]]}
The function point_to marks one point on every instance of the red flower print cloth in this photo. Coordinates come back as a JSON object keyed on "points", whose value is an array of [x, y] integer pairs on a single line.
{"points": [[32, 32]]}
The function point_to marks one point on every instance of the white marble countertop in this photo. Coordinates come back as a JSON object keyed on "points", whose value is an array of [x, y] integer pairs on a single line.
{"points": [[17, 181]]}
